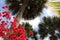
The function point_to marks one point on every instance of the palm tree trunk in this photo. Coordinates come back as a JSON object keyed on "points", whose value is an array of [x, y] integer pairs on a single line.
{"points": [[21, 11]]}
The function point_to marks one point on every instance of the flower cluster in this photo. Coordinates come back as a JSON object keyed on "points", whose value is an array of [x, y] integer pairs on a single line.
{"points": [[3, 23], [6, 6], [3, 30], [18, 33], [6, 14], [31, 32], [13, 33]]}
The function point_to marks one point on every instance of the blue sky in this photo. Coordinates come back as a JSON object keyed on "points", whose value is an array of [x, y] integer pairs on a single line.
{"points": [[1, 4]]}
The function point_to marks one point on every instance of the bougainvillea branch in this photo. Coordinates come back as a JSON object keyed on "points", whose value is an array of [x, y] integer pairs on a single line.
{"points": [[14, 32]]}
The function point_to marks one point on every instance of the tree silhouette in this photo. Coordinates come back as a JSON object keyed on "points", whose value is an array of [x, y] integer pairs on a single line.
{"points": [[49, 25], [27, 9]]}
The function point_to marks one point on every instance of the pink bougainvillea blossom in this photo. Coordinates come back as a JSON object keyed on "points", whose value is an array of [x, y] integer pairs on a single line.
{"points": [[6, 14], [6, 6]]}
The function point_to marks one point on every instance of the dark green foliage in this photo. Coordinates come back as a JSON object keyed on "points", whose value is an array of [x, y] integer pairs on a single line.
{"points": [[53, 38], [13, 5], [32, 10], [43, 33], [49, 25], [34, 36], [28, 27], [58, 35]]}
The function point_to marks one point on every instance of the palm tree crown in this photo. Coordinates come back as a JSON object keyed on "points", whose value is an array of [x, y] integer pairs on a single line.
{"points": [[49, 25], [32, 9]]}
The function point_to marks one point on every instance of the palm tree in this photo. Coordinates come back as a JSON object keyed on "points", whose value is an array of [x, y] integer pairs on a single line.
{"points": [[49, 25], [27, 9]]}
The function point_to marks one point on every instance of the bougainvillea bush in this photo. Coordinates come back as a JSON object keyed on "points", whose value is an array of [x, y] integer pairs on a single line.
{"points": [[14, 32]]}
